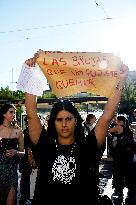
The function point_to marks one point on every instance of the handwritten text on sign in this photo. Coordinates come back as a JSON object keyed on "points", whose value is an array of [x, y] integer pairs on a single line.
{"points": [[72, 72]]}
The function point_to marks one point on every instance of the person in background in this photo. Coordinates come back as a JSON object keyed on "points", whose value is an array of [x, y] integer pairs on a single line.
{"points": [[27, 163], [122, 155], [63, 155], [133, 117], [111, 137], [45, 121], [11, 149], [89, 125], [131, 195], [90, 121]]}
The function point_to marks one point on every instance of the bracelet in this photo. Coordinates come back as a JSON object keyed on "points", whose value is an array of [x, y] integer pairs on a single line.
{"points": [[118, 87]]}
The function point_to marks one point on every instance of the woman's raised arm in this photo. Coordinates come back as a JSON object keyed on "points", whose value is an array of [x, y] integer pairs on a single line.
{"points": [[34, 122], [102, 126]]}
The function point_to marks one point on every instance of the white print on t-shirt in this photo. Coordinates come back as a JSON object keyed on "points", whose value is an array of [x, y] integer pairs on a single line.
{"points": [[64, 169]]}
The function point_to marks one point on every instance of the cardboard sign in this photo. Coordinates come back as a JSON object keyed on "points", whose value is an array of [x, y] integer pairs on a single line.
{"points": [[70, 73]]}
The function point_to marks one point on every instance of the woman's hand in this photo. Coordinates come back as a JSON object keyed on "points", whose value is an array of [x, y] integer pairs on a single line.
{"points": [[124, 74], [32, 61], [11, 152]]}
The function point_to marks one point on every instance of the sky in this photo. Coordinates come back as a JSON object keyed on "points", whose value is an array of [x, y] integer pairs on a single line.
{"points": [[65, 25]]}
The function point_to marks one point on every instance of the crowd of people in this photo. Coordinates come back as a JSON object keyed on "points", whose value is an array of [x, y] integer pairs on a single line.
{"points": [[72, 156], [65, 151]]}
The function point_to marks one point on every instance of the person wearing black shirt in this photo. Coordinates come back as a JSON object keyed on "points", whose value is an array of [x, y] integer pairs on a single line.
{"points": [[63, 154]]}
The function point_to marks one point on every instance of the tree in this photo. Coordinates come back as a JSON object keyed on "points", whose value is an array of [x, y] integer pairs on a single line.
{"points": [[5, 93], [128, 99], [48, 94], [18, 95]]}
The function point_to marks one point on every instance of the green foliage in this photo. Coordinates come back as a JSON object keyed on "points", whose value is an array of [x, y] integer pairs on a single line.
{"points": [[7, 94], [128, 99], [18, 95], [48, 94], [127, 104]]}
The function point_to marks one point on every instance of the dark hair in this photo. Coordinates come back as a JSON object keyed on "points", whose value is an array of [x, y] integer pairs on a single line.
{"points": [[5, 109], [122, 118], [126, 123], [88, 117], [70, 107]]}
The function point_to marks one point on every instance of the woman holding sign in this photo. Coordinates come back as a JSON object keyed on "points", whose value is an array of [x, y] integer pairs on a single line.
{"points": [[65, 156]]}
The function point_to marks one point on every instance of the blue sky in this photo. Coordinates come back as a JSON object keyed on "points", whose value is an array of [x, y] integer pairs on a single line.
{"points": [[67, 25]]}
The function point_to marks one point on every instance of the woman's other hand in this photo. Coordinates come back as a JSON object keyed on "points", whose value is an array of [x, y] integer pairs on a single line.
{"points": [[32, 61], [11, 152], [123, 76]]}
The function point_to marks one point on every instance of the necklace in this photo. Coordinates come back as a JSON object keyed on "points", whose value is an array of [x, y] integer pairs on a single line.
{"points": [[70, 147], [8, 126]]}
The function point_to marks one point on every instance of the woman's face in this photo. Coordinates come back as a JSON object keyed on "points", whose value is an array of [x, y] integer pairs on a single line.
{"points": [[119, 122], [65, 123], [93, 120], [10, 115]]}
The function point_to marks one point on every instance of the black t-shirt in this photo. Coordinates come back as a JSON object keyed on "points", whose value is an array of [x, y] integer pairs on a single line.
{"points": [[73, 164]]}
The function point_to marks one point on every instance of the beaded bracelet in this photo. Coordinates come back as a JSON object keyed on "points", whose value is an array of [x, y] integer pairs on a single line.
{"points": [[118, 86]]}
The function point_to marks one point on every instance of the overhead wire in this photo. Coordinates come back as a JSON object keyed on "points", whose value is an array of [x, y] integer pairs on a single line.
{"points": [[53, 26], [60, 25], [103, 9]]}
